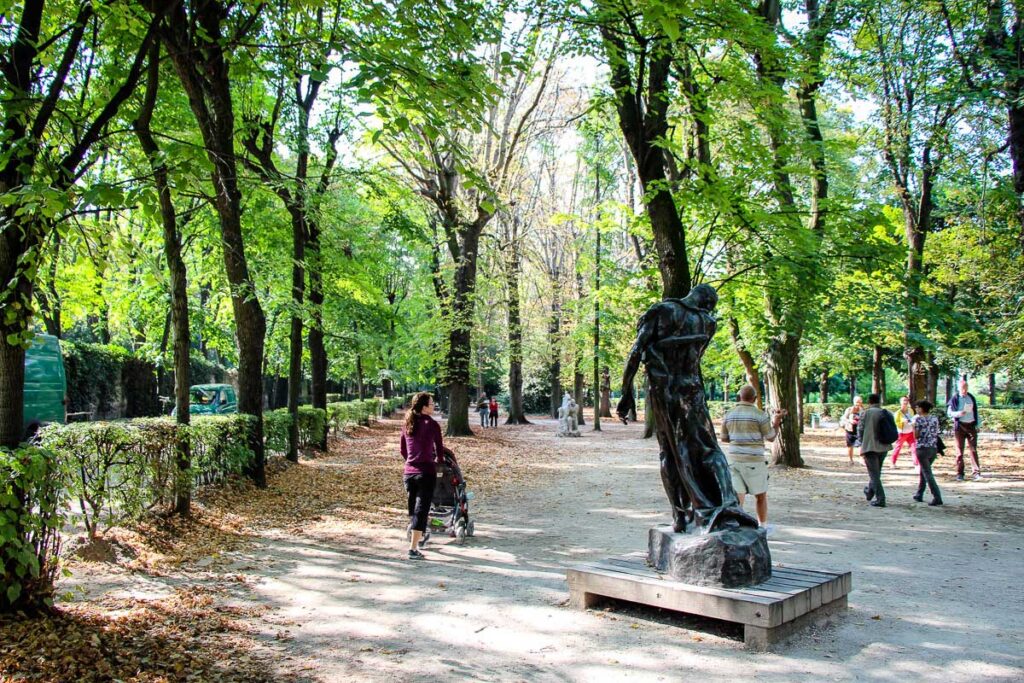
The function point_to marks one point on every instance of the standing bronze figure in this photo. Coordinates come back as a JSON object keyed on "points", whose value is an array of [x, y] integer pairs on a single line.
{"points": [[671, 339]]}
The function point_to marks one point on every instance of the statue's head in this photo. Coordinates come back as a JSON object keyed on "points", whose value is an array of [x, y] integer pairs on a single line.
{"points": [[703, 297]]}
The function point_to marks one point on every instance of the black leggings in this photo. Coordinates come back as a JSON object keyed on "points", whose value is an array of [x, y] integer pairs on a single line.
{"points": [[421, 492]]}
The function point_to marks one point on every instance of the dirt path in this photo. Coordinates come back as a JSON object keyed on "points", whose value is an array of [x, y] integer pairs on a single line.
{"points": [[936, 595]]}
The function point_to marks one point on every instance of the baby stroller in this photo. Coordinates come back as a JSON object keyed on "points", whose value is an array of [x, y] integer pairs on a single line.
{"points": [[449, 511]]}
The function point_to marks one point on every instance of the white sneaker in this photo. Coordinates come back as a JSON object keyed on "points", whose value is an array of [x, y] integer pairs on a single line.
{"points": [[769, 529]]}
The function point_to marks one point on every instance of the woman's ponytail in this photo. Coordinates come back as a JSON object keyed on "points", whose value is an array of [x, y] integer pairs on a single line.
{"points": [[419, 402]]}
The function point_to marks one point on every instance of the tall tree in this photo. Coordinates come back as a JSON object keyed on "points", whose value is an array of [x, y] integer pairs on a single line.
{"points": [[307, 67], [200, 37], [463, 168], [911, 75], [178, 275], [65, 71]]}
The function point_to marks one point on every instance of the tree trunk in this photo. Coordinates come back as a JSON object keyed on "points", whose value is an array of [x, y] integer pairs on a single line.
{"points": [[992, 389], [577, 390], [823, 387], [606, 394], [295, 335], [853, 386], [360, 387], [642, 105], [799, 399], [933, 377], [878, 373], [315, 336], [460, 336], [12, 406], [555, 361], [749, 366], [599, 398], [179, 287], [513, 271], [781, 371]]}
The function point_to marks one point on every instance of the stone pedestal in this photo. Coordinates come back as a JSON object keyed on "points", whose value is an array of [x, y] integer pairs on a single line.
{"points": [[730, 558]]}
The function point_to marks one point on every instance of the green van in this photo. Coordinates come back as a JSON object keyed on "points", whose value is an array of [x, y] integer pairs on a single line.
{"points": [[46, 386], [212, 399]]}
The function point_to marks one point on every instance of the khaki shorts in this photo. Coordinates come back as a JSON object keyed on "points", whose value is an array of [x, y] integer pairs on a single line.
{"points": [[749, 477]]}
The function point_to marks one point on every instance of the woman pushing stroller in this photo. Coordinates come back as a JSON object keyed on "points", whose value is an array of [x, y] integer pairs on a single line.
{"points": [[422, 449]]}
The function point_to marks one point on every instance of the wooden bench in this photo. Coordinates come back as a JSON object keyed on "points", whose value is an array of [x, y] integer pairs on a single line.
{"points": [[770, 611]]}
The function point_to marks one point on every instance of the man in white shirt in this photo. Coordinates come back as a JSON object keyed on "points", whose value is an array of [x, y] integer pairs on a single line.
{"points": [[963, 408]]}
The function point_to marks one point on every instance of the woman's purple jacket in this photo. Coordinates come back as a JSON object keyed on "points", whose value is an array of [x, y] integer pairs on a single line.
{"points": [[424, 447]]}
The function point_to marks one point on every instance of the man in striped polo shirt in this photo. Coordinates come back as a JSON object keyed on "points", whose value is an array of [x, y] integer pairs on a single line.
{"points": [[745, 428]]}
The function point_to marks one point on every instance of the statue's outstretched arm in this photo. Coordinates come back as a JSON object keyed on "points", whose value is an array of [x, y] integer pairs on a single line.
{"points": [[644, 334]]}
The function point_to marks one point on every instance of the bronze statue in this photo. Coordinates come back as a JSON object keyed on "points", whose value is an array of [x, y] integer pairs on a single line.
{"points": [[671, 339]]}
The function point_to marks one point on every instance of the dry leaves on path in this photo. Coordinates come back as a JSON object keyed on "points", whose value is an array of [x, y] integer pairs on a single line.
{"points": [[180, 638]]}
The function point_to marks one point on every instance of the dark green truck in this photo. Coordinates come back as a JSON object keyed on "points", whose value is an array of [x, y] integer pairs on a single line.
{"points": [[46, 386]]}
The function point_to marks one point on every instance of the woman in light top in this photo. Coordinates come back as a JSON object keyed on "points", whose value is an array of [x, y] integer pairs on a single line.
{"points": [[905, 424]]}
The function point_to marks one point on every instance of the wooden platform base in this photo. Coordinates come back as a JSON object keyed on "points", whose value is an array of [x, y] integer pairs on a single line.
{"points": [[770, 611]]}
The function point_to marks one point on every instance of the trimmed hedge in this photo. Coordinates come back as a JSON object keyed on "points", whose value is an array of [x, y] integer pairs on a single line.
{"points": [[119, 470]]}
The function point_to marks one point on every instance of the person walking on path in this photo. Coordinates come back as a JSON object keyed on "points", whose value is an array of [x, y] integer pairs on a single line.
{"points": [[876, 431], [926, 428], [963, 408], [905, 423], [422, 449], [745, 428], [849, 421], [482, 407], [494, 412]]}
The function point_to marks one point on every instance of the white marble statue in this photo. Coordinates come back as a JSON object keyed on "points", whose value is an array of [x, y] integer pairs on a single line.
{"points": [[567, 416]]}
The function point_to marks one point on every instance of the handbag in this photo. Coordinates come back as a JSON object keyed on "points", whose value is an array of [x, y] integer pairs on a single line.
{"points": [[940, 446]]}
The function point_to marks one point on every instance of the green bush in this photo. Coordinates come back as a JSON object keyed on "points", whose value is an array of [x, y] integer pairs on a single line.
{"points": [[32, 510], [312, 427], [219, 446], [1002, 420], [275, 429], [107, 472]]}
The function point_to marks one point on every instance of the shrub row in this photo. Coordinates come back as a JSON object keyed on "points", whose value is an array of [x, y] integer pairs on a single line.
{"points": [[119, 470], [351, 413]]}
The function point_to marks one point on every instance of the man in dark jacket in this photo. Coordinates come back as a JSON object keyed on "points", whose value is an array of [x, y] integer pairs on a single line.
{"points": [[873, 449], [963, 408]]}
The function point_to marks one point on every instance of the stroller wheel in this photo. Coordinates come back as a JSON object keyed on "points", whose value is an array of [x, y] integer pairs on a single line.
{"points": [[469, 528], [460, 535]]}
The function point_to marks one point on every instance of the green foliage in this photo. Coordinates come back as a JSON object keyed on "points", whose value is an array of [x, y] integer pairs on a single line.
{"points": [[1002, 420], [219, 447], [32, 512], [108, 469], [312, 427]]}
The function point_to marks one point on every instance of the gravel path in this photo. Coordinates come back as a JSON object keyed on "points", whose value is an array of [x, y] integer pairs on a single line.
{"points": [[936, 590]]}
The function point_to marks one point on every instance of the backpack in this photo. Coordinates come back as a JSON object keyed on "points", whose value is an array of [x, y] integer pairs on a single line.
{"points": [[887, 431]]}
